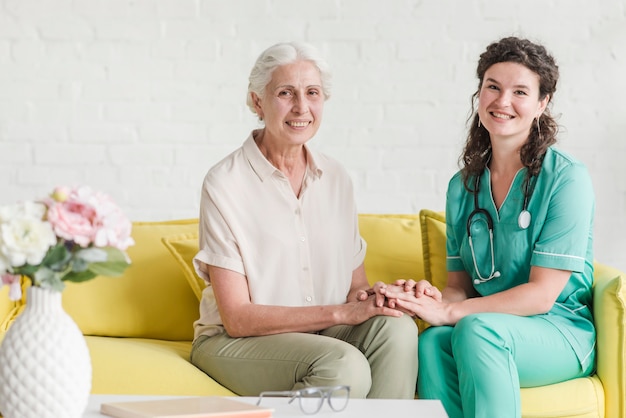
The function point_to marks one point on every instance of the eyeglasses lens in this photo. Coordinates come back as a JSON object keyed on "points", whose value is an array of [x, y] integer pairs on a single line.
{"points": [[311, 401], [338, 399]]}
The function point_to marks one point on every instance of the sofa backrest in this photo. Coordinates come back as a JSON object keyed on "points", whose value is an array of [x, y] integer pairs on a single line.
{"points": [[158, 295], [152, 299], [394, 247]]}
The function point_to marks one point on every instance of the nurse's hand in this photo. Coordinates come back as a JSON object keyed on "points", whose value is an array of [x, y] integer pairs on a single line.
{"points": [[433, 311], [421, 288]]}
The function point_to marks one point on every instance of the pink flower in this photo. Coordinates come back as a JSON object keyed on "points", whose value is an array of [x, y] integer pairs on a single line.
{"points": [[73, 220], [113, 228], [15, 287], [88, 217]]}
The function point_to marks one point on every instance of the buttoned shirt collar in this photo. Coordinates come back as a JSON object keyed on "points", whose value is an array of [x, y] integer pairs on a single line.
{"points": [[264, 169]]}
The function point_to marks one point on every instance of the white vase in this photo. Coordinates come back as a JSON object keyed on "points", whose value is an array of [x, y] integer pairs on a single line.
{"points": [[45, 368]]}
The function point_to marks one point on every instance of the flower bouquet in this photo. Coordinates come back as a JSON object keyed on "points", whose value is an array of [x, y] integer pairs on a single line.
{"points": [[75, 234]]}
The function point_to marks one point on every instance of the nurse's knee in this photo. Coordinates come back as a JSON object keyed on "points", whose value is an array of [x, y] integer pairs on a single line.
{"points": [[434, 340], [479, 330]]}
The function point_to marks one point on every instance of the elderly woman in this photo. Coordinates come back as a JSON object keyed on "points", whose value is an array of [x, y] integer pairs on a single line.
{"points": [[288, 305]]}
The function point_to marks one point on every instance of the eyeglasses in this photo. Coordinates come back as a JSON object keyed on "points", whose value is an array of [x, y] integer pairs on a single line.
{"points": [[311, 399]]}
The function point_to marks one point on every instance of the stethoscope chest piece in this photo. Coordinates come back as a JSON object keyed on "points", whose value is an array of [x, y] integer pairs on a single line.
{"points": [[523, 220]]}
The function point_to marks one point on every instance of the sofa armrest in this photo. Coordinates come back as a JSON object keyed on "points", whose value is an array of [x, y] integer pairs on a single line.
{"points": [[609, 306]]}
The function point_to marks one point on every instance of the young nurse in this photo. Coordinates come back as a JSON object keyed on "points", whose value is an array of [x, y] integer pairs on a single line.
{"points": [[519, 214]]}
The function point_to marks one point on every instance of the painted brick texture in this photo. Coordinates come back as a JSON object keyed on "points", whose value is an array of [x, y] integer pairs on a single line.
{"points": [[140, 97]]}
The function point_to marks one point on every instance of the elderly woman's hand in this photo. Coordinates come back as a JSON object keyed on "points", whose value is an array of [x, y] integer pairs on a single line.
{"points": [[354, 313], [376, 290]]}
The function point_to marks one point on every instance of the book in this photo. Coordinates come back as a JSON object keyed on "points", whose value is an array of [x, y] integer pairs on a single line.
{"points": [[195, 407]]}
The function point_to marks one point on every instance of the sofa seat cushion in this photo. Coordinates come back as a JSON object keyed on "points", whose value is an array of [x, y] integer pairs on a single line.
{"points": [[583, 397], [138, 366]]}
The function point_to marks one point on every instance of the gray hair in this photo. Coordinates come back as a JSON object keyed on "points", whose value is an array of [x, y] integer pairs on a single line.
{"points": [[283, 54]]}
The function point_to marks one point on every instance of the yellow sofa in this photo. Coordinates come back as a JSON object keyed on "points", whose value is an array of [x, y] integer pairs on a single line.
{"points": [[139, 326]]}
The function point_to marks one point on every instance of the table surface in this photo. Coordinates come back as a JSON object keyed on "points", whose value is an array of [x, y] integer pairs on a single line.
{"points": [[282, 409]]}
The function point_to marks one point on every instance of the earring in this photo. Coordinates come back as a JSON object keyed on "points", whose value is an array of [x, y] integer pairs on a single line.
{"points": [[538, 126], [479, 125]]}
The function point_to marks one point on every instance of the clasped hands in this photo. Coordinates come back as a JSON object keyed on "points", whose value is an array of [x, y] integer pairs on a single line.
{"points": [[418, 299]]}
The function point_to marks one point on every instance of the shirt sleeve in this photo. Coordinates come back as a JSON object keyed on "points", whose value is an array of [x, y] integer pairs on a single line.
{"points": [[454, 226], [567, 232], [217, 244]]}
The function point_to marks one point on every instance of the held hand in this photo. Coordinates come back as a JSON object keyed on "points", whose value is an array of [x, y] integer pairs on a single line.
{"points": [[421, 288], [358, 312], [375, 291], [430, 309]]}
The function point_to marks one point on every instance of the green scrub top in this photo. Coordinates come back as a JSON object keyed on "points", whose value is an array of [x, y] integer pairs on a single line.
{"points": [[559, 236]]}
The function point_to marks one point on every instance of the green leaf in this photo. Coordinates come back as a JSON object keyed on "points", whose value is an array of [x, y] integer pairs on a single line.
{"points": [[116, 255], [79, 276], [57, 255], [54, 283], [43, 275], [46, 278], [26, 270], [111, 269], [116, 262], [92, 255], [79, 265]]}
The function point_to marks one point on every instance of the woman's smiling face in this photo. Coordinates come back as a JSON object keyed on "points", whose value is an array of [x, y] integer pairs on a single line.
{"points": [[293, 103], [509, 101]]}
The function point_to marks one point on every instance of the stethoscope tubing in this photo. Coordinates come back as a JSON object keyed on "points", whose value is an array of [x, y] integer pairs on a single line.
{"points": [[523, 221]]}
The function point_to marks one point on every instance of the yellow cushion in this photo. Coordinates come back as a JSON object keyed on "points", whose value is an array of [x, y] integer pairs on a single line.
{"points": [[580, 398], [6, 307], [15, 307], [609, 307], [184, 248], [394, 247], [434, 247], [140, 367], [150, 300]]}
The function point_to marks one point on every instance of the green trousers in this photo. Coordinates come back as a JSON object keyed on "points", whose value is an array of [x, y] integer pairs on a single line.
{"points": [[377, 359], [477, 367]]}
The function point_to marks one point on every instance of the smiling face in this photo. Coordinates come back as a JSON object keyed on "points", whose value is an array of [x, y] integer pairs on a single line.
{"points": [[509, 102], [292, 104]]}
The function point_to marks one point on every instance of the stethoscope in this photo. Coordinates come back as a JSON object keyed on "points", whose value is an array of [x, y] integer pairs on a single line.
{"points": [[523, 221]]}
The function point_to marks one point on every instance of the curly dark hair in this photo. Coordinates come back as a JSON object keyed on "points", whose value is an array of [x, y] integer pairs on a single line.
{"points": [[477, 149]]}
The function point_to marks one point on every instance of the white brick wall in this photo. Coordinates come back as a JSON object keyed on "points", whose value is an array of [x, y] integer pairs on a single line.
{"points": [[140, 97]]}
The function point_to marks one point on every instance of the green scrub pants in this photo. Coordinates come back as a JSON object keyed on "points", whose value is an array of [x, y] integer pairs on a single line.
{"points": [[377, 359], [477, 367]]}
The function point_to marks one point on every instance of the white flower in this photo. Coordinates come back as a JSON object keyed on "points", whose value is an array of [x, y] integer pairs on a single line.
{"points": [[24, 236]]}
